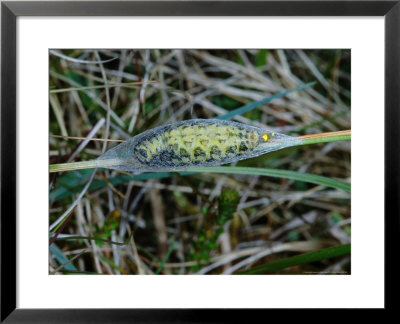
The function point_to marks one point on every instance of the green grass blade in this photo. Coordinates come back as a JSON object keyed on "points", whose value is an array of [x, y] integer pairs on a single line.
{"points": [[111, 263], [165, 259], [59, 255], [305, 258], [63, 192], [253, 105], [94, 238], [70, 272], [65, 189], [292, 175]]}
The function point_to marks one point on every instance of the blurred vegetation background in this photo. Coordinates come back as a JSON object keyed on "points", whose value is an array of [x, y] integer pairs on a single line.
{"points": [[209, 223]]}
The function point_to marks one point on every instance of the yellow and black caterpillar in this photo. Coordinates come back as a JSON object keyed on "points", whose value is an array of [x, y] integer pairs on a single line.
{"points": [[192, 143]]}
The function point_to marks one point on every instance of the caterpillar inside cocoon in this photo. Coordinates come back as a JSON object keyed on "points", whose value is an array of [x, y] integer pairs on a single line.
{"points": [[192, 143]]}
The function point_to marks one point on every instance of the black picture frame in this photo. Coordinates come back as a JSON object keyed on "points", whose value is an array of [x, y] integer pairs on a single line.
{"points": [[10, 10]]}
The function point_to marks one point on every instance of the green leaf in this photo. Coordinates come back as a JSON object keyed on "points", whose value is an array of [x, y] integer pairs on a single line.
{"points": [[93, 238], [66, 190], [59, 255], [63, 192], [275, 173], [261, 102], [227, 204], [261, 57], [166, 257], [305, 258]]}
